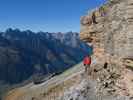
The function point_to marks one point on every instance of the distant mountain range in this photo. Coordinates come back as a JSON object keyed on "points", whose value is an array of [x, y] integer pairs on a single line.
{"points": [[25, 53]]}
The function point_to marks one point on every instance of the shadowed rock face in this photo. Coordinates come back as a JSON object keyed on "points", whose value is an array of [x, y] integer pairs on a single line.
{"points": [[24, 53], [113, 30]]}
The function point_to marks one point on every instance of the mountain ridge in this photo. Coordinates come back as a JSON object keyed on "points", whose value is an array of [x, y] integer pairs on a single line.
{"points": [[25, 54]]}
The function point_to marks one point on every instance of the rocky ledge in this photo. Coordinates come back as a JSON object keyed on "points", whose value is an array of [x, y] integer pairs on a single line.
{"points": [[109, 29]]}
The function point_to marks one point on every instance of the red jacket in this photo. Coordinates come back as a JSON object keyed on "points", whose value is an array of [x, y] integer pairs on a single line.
{"points": [[87, 60]]}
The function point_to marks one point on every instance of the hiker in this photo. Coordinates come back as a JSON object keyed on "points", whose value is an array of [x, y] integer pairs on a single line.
{"points": [[87, 62]]}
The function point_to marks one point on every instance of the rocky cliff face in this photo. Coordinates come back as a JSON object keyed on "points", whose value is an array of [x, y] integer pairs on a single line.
{"points": [[109, 29], [113, 28]]}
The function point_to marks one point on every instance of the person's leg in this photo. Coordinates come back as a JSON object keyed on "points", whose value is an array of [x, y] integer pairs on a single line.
{"points": [[85, 68], [88, 70]]}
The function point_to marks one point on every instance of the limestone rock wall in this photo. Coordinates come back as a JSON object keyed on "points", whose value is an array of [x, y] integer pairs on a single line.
{"points": [[113, 30]]}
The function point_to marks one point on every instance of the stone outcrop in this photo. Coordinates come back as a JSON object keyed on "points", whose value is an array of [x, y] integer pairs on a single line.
{"points": [[113, 30], [110, 29]]}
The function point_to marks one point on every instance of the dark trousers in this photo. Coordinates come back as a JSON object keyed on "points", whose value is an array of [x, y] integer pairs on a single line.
{"points": [[87, 68]]}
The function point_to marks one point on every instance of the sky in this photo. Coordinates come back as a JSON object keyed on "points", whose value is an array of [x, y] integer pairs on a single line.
{"points": [[45, 15]]}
